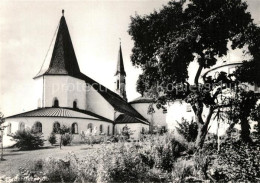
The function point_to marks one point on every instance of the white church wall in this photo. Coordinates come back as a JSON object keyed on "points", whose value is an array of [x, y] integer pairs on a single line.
{"points": [[39, 91], [97, 104], [136, 128], [47, 126], [176, 111], [66, 89], [157, 119]]}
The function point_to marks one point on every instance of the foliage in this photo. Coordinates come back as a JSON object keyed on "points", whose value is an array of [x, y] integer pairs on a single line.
{"points": [[238, 161], [28, 140], [126, 133], [66, 139], [189, 130], [52, 138], [240, 111]]}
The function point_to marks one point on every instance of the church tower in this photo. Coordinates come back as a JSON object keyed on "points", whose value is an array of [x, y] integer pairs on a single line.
{"points": [[120, 76]]}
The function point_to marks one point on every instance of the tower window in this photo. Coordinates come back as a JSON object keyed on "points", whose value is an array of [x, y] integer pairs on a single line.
{"points": [[117, 84], [56, 127], [74, 128], [75, 105], [56, 103]]}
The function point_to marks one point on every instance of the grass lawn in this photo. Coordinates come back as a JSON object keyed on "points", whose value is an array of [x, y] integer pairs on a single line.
{"points": [[13, 159]]}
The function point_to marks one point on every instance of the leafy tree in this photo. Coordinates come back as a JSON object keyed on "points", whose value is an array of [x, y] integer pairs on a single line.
{"points": [[168, 40]]}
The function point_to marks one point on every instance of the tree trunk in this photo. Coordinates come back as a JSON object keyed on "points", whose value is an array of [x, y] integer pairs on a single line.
{"points": [[245, 130], [203, 130]]}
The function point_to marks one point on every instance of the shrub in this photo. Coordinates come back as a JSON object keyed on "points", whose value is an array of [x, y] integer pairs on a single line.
{"points": [[58, 170], [238, 161], [189, 130], [28, 140], [66, 139], [52, 138]]}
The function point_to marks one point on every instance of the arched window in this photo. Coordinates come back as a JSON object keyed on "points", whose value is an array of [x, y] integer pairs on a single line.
{"points": [[56, 103], [108, 130], [101, 128], [74, 128], [75, 104], [37, 127], [56, 127], [90, 126], [143, 130], [21, 126], [9, 128]]}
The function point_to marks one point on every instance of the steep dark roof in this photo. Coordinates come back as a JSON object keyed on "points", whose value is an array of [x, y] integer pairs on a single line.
{"points": [[120, 64], [142, 99], [63, 60], [124, 118], [60, 112]]}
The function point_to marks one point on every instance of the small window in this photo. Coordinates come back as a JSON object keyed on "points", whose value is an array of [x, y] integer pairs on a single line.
{"points": [[56, 127], [37, 127], [75, 104], [56, 103], [90, 127], [74, 128], [117, 84], [101, 128], [164, 111], [108, 130], [21, 126]]}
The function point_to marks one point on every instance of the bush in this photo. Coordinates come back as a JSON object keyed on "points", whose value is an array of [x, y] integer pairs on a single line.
{"points": [[28, 140], [238, 161], [52, 138], [66, 139], [189, 130]]}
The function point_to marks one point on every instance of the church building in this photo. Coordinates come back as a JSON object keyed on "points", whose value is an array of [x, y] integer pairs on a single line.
{"points": [[68, 97]]}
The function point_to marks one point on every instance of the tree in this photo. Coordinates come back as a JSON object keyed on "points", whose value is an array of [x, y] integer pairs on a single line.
{"points": [[2, 120], [168, 40]]}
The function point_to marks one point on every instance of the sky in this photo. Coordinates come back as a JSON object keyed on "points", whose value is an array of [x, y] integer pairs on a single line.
{"points": [[27, 28]]}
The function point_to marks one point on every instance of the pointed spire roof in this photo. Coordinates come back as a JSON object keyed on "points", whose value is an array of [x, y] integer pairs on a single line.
{"points": [[120, 64], [63, 60]]}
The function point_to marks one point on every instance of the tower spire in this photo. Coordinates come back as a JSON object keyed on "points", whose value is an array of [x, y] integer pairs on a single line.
{"points": [[120, 63], [120, 75], [63, 59]]}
